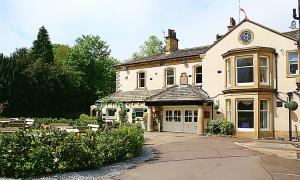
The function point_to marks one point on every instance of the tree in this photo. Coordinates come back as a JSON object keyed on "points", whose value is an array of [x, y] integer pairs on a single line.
{"points": [[61, 53], [42, 48], [150, 47]]}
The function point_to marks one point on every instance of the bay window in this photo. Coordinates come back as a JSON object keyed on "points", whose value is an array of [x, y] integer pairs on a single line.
{"points": [[293, 63], [244, 68], [264, 70], [245, 114], [141, 79], [170, 76], [264, 114]]}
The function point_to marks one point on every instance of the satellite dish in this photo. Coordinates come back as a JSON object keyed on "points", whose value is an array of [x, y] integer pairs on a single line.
{"points": [[293, 25]]}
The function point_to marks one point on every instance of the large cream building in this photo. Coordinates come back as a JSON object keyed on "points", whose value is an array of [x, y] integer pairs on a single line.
{"points": [[247, 72]]}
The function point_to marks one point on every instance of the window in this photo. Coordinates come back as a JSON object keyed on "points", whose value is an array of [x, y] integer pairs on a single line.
{"points": [[169, 115], [196, 116], [170, 77], [141, 79], [139, 112], [264, 114], [245, 114], [293, 62], [111, 112], [244, 70], [188, 116], [228, 70], [264, 70], [177, 116], [198, 75], [228, 109]]}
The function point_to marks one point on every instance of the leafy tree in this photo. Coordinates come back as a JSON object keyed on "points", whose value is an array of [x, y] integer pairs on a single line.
{"points": [[150, 47], [61, 53], [42, 47]]}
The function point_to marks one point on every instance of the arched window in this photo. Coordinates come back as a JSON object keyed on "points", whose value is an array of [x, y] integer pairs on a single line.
{"points": [[170, 76]]}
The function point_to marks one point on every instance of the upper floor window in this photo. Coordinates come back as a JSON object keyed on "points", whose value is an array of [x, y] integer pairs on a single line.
{"points": [[264, 70], [228, 72], [198, 75], [141, 79], [170, 76], [244, 68], [293, 63]]}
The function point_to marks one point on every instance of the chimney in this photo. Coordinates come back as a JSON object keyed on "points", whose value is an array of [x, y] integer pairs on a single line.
{"points": [[171, 41], [232, 24], [218, 36]]}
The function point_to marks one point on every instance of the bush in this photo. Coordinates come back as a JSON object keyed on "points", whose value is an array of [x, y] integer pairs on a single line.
{"points": [[84, 120], [24, 154], [220, 127]]}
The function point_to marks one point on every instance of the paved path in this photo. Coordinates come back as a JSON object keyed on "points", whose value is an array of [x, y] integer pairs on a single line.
{"points": [[187, 156]]}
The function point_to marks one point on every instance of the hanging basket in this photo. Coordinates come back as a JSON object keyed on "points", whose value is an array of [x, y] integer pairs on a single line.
{"points": [[216, 107], [291, 105]]}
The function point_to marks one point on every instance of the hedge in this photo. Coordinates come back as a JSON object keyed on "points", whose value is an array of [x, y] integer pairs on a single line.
{"points": [[25, 154], [223, 127]]}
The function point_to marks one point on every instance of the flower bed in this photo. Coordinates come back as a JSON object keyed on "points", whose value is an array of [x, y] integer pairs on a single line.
{"points": [[24, 154]]}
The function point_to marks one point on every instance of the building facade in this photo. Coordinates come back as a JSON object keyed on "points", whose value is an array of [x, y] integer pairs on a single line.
{"points": [[248, 73]]}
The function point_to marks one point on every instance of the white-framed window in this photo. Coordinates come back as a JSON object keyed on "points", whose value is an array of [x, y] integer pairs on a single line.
{"points": [[293, 63], [228, 110], [111, 113], [264, 70], [198, 75], [170, 76], [264, 115], [195, 115], [244, 71], [228, 72], [141, 79], [139, 112], [188, 116], [245, 114], [177, 116], [169, 115]]}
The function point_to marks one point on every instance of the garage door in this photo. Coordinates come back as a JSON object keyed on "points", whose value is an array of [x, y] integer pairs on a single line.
{"points": [[180, 120]]}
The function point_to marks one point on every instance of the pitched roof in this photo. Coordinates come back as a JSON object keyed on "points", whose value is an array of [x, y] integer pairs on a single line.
{"points": [[132, 96], [293, 34], [175, 54], [180, 93]]}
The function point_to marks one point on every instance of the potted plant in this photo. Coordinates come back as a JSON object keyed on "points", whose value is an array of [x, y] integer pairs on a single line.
{"points": [[291, 105]]}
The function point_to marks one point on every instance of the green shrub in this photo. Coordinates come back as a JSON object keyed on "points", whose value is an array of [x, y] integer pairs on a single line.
{"points": [[220, 127], [24, 154], [291, 105], [85, 120]]}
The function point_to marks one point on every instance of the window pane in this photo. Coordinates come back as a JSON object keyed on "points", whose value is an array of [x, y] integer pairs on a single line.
{"points": [[245, 105], [170, 72], [241, 62], [139, 112], [170, 80], [198, 78], [142, 82], [195, 116], [264, 119], [293, 68], [245, 75], [111, 112], [199, 69], [263, 61], [264, 105], [264, 75], [142, 75], [293, 62], [245, 119]]}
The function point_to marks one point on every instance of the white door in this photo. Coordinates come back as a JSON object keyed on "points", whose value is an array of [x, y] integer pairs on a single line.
{"points": [[177, 121], [190, 121], [168, 120]]}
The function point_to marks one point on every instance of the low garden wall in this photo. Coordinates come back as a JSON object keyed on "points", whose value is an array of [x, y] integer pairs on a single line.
{"points": [[25, 154]]}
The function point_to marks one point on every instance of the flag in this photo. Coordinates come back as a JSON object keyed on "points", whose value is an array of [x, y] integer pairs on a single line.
{"points": [[241, 9]]}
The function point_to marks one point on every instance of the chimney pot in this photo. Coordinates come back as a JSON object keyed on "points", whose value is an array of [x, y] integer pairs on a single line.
{"points": [[232, 24]]}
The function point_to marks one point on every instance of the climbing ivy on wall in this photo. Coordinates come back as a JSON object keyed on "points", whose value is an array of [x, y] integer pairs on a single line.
{"points": [[122, 113]]}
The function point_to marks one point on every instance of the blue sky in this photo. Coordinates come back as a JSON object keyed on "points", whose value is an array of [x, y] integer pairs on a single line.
{"points": [[126, 24]]}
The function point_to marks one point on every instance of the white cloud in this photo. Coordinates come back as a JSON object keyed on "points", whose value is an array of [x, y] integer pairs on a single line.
{"points": [[125, 24]]}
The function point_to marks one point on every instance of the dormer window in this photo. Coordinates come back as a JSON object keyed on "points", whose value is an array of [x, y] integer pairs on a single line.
{"points": [[141, 79], [170, 76], [198, 75]]}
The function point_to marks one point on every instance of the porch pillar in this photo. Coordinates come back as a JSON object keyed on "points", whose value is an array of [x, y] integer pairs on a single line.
{"points": [[150, 119], [200, 128]]}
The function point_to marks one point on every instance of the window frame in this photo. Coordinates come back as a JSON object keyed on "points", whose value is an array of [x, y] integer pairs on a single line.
{"points": [[139, 110], [288, 67], [169, 116], [188, 117], [228, 110], [177, 117], [195, 74], [268, 114], [268, 70], [107, 114], [236, 70], [237, 116], [138, 80], [166, 76]]}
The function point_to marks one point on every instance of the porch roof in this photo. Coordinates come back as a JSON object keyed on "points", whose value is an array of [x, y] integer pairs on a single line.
{"points": [[179, 95]]}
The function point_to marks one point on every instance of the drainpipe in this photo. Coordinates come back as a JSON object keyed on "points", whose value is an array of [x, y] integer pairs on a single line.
{"points": [[212, 110], [290, 94], [276, 73]]}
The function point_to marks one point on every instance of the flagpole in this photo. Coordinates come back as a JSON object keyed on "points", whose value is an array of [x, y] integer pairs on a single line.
{"points": [[239, 10]]}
